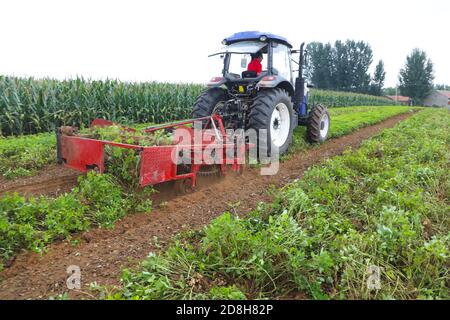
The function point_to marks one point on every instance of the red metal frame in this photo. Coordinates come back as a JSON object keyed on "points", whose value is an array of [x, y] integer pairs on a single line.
{"points": [[156, 164]]}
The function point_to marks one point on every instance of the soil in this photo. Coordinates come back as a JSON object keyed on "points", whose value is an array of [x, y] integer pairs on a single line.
{"points": [[102, 254], [53, 180]]}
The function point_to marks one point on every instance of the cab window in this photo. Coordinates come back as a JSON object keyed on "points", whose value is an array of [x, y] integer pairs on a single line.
{"points": [[282, 60]]}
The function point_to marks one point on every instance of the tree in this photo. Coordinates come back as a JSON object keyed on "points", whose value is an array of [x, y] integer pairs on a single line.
{"points": [[351, 61], [389, 91], [442, 87], [341, 77], [361, 58], [416, 78], [376, 86], [343, 66], [319, 70]]}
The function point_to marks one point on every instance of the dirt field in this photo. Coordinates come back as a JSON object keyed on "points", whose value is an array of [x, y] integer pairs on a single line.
{"points": [[102, 254], [52, 181]]}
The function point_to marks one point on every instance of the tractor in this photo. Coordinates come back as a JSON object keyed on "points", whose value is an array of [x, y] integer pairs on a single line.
{"points": [[270, 103], [273, 103]]}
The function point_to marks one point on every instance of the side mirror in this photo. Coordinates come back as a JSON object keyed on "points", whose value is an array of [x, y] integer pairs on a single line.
{"points": [[243, 63]]}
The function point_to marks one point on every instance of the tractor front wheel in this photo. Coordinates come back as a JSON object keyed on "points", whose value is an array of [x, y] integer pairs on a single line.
{"points": [[318, 124]]}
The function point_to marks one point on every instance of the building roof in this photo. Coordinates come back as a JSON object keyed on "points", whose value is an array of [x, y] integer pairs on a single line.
{"points": [[399, 98], [255, 35], [445, 93]]}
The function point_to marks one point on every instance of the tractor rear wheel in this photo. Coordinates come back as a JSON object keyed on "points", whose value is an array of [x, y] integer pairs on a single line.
{"points": [[207, 101], [318, 124], [272, 111]]}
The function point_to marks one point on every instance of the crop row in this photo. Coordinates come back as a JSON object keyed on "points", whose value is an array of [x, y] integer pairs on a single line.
{"points": [[34, 106], [22, 156], [98, 200], [371, 224], [346, 99], [32, 223]]}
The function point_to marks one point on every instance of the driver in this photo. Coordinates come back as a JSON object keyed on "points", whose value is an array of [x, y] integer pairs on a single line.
{"points": [[255, 64]]}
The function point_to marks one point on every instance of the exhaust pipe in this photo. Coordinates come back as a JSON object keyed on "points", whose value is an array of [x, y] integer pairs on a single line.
{"points": [[300, 84]]}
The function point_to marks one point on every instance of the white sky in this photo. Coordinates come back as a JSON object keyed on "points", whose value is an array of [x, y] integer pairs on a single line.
{"points": [[167, 40]]}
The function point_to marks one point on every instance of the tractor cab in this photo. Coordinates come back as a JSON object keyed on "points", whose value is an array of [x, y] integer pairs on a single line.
{"points": [[237, 54], [236, 57]]}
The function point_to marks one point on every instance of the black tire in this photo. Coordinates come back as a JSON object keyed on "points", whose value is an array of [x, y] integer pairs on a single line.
{"points": [[260, 117], [316, 123], [206, 102]]}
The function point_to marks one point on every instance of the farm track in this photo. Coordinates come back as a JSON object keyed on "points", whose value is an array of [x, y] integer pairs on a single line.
{"points": [[102, 254]]}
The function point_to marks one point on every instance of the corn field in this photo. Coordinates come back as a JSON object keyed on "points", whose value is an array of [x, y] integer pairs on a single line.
{"points": [[347, 99], [30, 105]]}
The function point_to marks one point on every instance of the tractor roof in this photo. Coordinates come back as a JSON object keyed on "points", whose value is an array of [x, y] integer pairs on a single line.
{"points": [[256, 35]]}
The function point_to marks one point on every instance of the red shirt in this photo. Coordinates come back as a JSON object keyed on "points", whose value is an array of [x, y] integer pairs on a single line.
{"points": [[255, 65]]}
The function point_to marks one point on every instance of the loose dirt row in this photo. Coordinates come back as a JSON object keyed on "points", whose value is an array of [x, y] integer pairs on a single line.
{"points": [[52, 181], [102, 254]]}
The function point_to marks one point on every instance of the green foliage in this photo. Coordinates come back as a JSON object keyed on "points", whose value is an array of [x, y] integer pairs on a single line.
{"points": [[22, 156], [444, 87], [104, 197], [32, 106], [342, 67], [258, 253], [346, 99], [390, 91], [30, 224], [376, 86], [124, 163], [343, 121], [117, 133], [346, 120], [377, 208], [226, 293], [385, 204], [351, 65], [65, 215], [320, 69], [34, 222], [416, 78]]}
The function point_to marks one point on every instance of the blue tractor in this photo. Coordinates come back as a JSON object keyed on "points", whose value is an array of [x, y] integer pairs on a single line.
{"points": [[275, 100]]}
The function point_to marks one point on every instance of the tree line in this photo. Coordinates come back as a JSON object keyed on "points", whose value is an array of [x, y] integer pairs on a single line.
{"points": [[344, 66]]}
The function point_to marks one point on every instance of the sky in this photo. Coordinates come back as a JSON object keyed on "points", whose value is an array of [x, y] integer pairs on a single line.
{"points": [[168, 40]]}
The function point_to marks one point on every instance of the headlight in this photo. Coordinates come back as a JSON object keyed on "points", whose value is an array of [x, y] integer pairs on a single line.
{"points": [[263, 38], [224, 42]]}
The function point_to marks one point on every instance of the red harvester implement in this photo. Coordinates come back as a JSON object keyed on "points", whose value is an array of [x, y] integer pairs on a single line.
{"points": [[158, 163]]}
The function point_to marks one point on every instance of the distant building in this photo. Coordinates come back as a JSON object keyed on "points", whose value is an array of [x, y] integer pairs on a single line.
{"points": [[438, 99], [407, 101]]}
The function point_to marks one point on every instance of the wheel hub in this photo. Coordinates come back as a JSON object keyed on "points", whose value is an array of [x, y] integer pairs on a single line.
{"points": [[324, 125], [280, 125], [276, 123]]}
